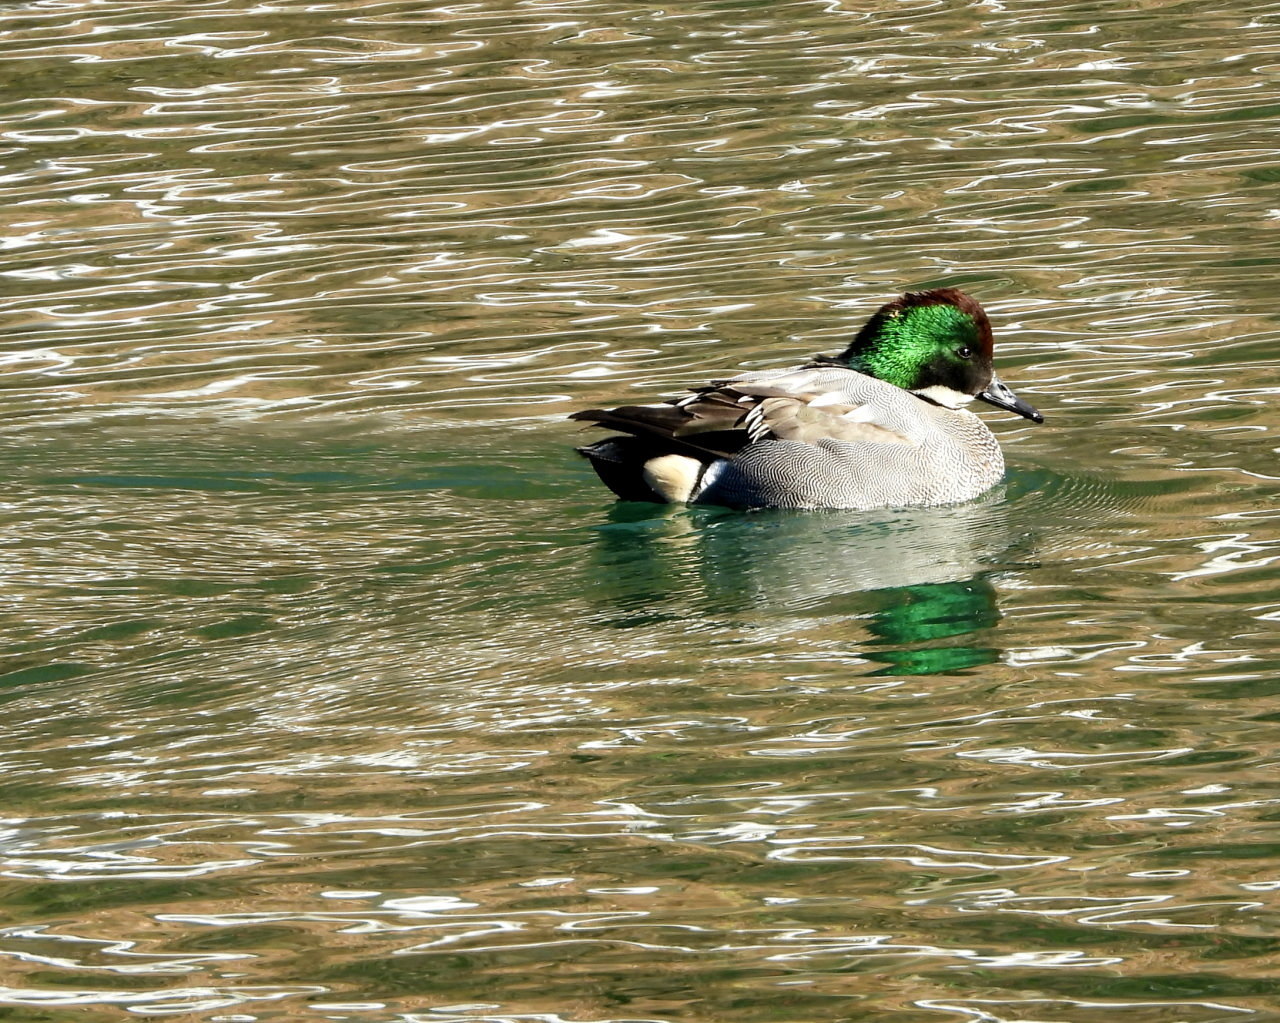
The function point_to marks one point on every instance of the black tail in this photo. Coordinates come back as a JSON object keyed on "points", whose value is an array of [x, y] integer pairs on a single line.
{"points": [[657, 430], [619, 462]]}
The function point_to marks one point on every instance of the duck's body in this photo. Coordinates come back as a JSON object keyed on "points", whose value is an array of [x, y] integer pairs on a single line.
{"points": [[881, 425]]}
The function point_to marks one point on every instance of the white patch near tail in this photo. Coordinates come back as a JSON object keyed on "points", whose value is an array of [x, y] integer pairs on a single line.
{"points": [[673, 476]]}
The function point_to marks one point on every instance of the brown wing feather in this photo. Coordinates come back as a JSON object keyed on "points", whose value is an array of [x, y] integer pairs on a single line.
{"points": [[720, 420], [705, 434]]}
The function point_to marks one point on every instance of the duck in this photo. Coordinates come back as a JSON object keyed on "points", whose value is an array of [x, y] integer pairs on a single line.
{"points": [[883, 424]]}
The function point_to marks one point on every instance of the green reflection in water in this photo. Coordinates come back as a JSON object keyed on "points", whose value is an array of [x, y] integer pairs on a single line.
{"points": [[914, 579], [929, 614]]}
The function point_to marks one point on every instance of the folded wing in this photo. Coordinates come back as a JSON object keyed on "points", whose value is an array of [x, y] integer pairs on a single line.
{"points": [[823, 403]]}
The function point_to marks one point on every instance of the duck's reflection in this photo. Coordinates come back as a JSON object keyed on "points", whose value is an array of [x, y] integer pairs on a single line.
{"points": [[917, 578], [919, 628]]}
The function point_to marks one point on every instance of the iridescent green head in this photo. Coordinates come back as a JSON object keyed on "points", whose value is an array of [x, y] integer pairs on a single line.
{"points": [[936, 343]]}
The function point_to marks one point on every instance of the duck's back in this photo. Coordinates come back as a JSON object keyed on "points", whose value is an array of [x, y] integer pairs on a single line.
{"points": [[900, 450]]}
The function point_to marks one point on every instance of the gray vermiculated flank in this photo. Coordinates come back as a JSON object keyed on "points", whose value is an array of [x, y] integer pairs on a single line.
{"points": [[929, 455]]}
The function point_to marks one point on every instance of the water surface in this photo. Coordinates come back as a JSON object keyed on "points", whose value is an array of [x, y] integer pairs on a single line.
{"points": [[335, 685]]}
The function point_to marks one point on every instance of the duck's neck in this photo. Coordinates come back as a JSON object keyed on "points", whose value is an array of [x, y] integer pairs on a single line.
{"points": [[895, 348], [892, 362]]}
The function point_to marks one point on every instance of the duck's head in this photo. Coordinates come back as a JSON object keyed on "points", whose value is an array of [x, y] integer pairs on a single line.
{"points": [[937, 344]]}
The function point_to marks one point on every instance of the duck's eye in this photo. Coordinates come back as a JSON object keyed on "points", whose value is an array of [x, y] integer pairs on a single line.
{"points": [[964, 353]]}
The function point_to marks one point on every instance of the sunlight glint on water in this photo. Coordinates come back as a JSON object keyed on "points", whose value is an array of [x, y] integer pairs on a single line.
{"points": [[338, 689]]}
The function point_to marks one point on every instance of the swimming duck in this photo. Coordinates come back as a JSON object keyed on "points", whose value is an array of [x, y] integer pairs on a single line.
{"points": [[882, 424]]}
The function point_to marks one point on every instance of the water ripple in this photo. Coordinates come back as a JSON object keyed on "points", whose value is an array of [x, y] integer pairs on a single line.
{"points": [[336, 686]]}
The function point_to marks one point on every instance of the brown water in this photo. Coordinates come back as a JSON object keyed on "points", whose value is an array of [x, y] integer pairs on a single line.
{"points": [[335, 686]]}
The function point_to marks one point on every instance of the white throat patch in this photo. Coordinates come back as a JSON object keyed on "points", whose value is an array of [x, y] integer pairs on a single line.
{"points": [[946, 396]]}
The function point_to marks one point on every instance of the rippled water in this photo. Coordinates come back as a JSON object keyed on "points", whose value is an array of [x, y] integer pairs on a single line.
{"points": [[336, 686]]}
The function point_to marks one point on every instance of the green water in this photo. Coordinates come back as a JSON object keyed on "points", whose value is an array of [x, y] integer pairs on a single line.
{"points": [[335, 686]]}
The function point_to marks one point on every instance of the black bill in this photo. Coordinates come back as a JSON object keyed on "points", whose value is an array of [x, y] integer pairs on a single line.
{"points": [[999, 395]]}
